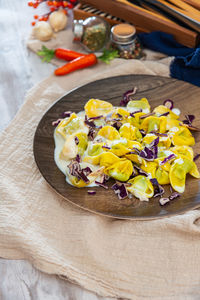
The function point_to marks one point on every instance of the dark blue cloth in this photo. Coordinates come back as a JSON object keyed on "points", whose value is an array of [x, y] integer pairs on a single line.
{"points": [[186, 64]]}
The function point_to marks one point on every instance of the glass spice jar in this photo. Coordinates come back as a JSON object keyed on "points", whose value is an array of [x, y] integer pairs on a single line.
{"points": [[124, 39], [93, 33]]}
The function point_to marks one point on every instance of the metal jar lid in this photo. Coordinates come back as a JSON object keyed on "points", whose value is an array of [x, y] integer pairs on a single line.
{"points": [[123, 34], [78, 30]]}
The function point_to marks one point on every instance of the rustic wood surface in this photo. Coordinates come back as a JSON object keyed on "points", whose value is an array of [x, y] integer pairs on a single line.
{"points": [[156, 89], [19, 71]]}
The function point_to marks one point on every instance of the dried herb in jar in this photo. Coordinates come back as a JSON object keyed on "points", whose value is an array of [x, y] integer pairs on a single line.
{"points": [[93, 33]]}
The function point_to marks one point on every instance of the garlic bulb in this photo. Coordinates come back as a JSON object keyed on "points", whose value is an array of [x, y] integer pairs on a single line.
{"points": [[42, 31], [58, 20]]}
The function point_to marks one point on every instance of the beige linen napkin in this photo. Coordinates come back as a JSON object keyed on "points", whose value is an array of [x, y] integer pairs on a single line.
{"points": [[157, 259]]}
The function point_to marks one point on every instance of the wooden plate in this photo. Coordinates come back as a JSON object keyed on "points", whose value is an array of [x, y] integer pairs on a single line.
{"points": [[105, 202]]}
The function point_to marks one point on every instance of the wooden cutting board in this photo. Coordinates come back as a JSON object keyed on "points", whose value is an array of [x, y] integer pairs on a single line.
{"points": [[156, 89]]}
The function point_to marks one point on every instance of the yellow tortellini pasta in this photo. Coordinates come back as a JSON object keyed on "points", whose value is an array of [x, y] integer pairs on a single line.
{"points": [[109, 132], [154, 124], [164, 141], [95, 149], [136, 105], [161, 109], [130, 132], [150, 167], [170, 123], [135, 158], [180, 167], [141, 187], [162, 176], [120, 170], [61, 128], [96, 107], [82, 142], [126, 143], [136, 119], [183, 150], [181, 136], [178, 171], [119, 149], [70, 149], [108, 159], [134, 144], [121, 113]]}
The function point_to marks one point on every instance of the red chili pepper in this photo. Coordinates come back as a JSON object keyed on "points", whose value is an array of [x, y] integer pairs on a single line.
{"points": [[76, 64], [67, 54]]}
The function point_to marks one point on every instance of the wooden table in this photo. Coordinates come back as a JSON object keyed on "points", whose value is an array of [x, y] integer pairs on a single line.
{"points": [[19, 71]]}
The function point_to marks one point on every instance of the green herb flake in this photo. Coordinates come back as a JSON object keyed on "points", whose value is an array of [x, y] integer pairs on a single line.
{"points": [[46, 54], [108, 55]]}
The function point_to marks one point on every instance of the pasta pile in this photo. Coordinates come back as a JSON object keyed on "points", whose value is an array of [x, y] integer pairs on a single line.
{"points": [[141, 149]]}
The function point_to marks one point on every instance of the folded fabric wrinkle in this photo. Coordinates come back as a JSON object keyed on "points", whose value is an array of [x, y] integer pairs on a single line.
{"points": [[186, 64]]}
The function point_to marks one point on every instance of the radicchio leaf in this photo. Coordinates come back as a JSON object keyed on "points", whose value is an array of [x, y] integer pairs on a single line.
{"points": [[119, 115], [143, 133], [55, 123], [127, 96], [134, 173], [147, 154], [150, 153], [158, 133], [87, 171], [140, 171], [147, 115], [92, 133], [132, 114], [196, 157], [76, 140], [158, 189], [91, 192], [188, 119], [78, 158], [165, 114], [136, 150], [171, 156], [95, 118], [101, 184], [174, 196], [168, 103], [117, 125], [154, 142], [115, 120], [164, 201], [66, 114], [191, 127], [75, 170], [89, 123], [120, 190], [105, 178]]}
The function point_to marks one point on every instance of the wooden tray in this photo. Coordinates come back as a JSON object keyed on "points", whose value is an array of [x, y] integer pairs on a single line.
{"points": [[105, 202], [141, 19], [83, 11]]}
